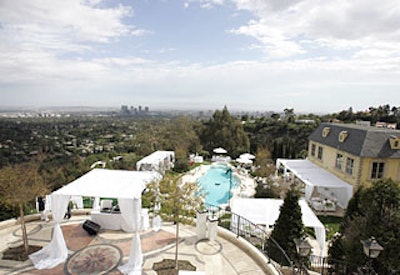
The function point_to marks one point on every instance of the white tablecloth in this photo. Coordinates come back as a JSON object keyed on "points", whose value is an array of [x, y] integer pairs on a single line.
{"points": [[107, 220], [114, 221]]}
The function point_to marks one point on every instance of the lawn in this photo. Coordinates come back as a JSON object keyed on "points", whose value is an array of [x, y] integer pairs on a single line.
{"points": [[332, 225]]}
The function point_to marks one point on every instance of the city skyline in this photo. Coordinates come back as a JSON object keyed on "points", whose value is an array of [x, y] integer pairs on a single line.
{"points": [[308, 55]]}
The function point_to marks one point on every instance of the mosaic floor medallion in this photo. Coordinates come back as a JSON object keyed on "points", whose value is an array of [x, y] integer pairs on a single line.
{"points": [[95, 259]]}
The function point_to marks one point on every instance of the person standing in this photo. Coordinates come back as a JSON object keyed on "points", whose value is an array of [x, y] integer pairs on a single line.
{"points": [[68, 214], [42, 208]]}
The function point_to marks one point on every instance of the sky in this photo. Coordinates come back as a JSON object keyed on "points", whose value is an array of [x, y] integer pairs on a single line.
{"points": [[264, 55]]}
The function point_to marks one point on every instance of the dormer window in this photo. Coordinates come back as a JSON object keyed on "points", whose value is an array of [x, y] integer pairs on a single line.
{"points": [[342, 136], [394, 142], [325, 131]]}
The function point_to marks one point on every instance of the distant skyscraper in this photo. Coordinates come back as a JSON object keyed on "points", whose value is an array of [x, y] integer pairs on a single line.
{"points": [[124, 109]]}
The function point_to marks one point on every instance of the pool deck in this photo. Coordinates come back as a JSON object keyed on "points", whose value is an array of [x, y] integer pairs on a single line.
{"points": [[228, 255]]}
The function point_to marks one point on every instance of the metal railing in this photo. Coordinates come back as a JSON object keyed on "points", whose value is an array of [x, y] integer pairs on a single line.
{"points": [[255, 235], [276, 255], [327, 265]]}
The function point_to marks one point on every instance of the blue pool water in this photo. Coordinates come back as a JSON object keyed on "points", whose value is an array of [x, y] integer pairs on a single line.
{"points": [[215, 183]]}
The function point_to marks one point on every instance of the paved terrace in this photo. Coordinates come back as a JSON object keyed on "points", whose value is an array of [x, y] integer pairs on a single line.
{"points": [[226, 255]]}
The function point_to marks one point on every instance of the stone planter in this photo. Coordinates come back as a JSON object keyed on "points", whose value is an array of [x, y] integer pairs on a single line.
{"points": [[212, 226], [201, 225]]}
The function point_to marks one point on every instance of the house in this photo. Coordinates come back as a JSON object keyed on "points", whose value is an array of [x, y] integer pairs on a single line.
{"points": [[357, 154]]}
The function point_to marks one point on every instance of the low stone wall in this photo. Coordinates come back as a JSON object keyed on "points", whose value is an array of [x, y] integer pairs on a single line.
{"points": [[249, 249], [36, 217]]}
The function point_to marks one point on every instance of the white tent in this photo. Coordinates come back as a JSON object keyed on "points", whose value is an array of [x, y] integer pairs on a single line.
{"points": [[244, 160], [157, 161], [219, 150], [247, 156], [266, 212], [314, 176], [127, 186]]}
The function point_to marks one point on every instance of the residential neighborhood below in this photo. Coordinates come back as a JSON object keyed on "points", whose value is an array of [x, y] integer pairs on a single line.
{"points": [[343, 167]]}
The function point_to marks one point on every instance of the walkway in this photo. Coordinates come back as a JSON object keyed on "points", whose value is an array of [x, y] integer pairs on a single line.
{"points": [[216, 257]]}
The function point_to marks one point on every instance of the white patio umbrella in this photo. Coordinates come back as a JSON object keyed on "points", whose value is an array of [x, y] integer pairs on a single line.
{"points": [[219, 150], [247, 156], [244, 161]]}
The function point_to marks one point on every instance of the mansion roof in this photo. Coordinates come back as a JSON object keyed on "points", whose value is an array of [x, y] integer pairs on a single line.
{"points": [[359, 140]]}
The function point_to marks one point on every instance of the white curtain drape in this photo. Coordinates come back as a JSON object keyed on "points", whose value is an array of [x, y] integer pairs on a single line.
{"points": [[130, 211], [96, 204], [145, 221], [157, 223], [56, 251], [126, 206], [48, 203], [77, 201], [320, 235]]}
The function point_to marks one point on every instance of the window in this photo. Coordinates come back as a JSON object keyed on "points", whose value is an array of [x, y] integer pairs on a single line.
{"points": [[325, 132], [394, 142], [339, 161], [349, 166], [342, 136], [377, 170], [320, 151], [313, 150]]}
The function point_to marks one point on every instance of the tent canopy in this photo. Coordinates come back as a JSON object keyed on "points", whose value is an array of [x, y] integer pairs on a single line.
{"points": [[109, 183], [315, 176], [266, 212], [127, 186], [219, 150], [247, 156], [244, 160], [158, 160]]}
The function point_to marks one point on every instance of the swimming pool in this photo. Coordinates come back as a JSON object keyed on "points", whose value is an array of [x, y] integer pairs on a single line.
{"points": [[215, 183]]}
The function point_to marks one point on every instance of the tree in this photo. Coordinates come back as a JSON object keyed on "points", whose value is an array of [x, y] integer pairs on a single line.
{"points": [[224, 130], [180, 132], [181, 137], [289, 225], [179, 201], [264, 162], [289, 114], [275, 116], [19, 185], [373, 211]]}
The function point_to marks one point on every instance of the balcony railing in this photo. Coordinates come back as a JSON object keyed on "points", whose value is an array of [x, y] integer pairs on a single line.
{"points": [[327, 265], [261, 239], [255, 235]]}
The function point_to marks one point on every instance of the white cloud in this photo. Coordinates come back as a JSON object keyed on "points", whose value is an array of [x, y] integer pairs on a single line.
{"points": [[323, 51], [58, 24], [40, 40], [124, 62], [206, 4], [140, 32], [281, 26], [273, 41], [304, 84]]}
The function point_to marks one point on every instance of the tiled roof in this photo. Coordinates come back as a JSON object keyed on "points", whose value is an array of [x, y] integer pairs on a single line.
{"points": [[363, 141]]}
